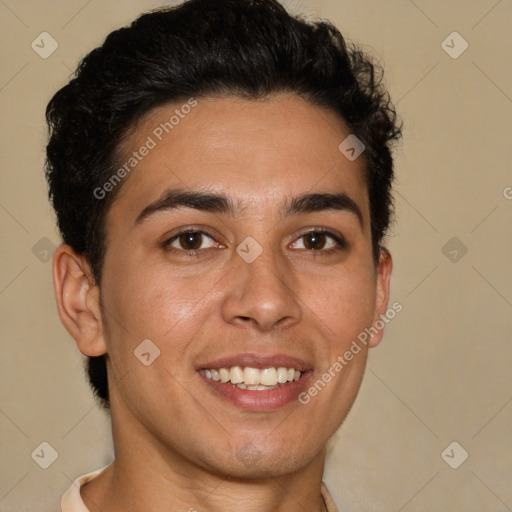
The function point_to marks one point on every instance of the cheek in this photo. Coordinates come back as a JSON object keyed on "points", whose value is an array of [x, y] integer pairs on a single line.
{"points": [[344, 302], [342, 309], [149, 301], [143, 305]]}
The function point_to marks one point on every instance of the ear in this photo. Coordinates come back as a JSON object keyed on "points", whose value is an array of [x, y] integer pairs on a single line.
{"points": [[78, 300], [384, 269]]}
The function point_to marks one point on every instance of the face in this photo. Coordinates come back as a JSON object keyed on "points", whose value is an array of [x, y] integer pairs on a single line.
{"points": [[241, 239]]}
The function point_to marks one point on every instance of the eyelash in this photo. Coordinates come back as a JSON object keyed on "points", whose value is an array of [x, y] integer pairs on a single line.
{"points": [[339, 239]]}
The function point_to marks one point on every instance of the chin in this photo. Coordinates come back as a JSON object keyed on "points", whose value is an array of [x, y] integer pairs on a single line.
{"points": [[255, 463]]}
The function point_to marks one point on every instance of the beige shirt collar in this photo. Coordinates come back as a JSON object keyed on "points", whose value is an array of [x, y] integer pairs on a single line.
{"points": [[72, 500]]}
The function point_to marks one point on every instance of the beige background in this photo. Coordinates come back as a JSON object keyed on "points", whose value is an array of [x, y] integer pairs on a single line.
{"points": [[442, 373]]}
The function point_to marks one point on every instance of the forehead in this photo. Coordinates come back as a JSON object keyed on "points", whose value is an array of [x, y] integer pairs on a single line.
{"points": [[259, 152]]}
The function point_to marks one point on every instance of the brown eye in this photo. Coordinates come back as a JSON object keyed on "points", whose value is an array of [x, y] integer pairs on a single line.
{"points": [[316, 241], [190, 241]]}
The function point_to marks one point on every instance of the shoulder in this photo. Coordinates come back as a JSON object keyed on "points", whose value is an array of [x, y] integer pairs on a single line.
{"points": [[72, 500], [328, 499]]}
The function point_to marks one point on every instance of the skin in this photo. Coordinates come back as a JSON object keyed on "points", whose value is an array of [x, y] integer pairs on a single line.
{"points": [[178, 444]]}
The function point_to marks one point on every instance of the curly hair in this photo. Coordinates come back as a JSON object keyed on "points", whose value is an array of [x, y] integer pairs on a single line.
{"points": [[244, 48]]}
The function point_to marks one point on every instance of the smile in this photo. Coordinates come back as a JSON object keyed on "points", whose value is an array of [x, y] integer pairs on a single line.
{"points": [[253, 379]]}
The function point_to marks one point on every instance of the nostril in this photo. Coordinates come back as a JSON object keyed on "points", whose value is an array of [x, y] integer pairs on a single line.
{"points": [[244, 321]]}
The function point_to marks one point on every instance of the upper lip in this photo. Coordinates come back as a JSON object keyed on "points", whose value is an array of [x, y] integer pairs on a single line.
{"points": [[259, 361]]}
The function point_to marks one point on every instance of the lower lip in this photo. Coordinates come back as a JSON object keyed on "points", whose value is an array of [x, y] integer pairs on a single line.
{"points": [[259, 401]]}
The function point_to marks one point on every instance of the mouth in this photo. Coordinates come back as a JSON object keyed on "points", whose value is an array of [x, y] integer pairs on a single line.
{"points": [[255, 383], [253, 379]]}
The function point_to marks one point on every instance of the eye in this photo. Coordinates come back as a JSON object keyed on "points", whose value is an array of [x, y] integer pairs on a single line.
{"points": [[190, 241], [319, 240]]}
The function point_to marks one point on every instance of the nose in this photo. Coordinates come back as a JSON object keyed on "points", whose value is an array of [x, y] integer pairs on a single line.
{"points": [[261, 294]]}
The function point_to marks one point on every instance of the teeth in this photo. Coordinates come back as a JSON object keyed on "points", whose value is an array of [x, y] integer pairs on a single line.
{"points": [[257, 388], [253, 379], [224, 375], [282, 375], [236, 375], [252, 376], [269, 377]]}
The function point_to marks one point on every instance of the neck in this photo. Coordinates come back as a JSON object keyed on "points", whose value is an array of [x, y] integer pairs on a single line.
{"points": [[121, 488], [146, 476]]}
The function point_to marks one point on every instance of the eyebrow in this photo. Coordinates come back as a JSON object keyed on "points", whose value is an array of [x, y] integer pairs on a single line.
{"points": [[218, 203]]}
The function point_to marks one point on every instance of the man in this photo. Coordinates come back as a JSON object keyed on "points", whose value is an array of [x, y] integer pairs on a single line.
{"points": [[221, 173]]}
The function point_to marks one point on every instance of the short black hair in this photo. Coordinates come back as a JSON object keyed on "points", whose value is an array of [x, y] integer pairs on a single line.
{"points": [[204, 48]]}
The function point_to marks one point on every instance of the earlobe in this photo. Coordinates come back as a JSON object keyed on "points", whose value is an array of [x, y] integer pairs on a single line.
{"points": [[78, 300], [385, 266]]}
